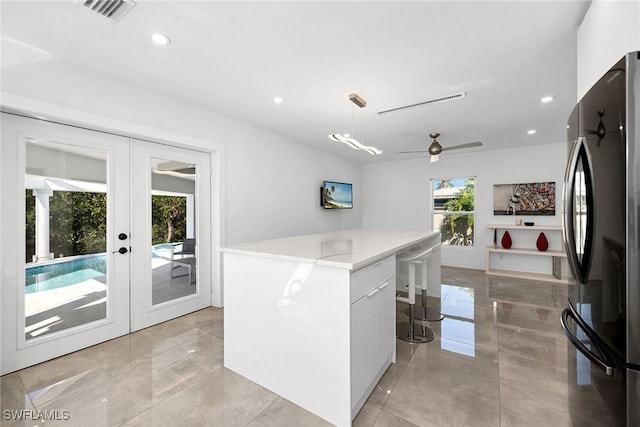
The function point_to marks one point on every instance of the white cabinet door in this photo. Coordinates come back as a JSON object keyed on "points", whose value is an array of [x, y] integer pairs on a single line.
{"points": [[364, 360], [386, 325], [372, 338]]}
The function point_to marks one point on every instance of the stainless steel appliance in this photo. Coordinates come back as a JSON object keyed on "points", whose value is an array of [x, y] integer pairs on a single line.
{"points": [[601, 223]]}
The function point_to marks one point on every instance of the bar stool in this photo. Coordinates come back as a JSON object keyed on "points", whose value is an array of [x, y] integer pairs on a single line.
{"points": [[424, 313], [406, 331]]}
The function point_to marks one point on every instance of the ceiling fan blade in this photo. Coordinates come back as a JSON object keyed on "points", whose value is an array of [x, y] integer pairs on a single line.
{"points": [[186, 171], [411, 152], [467, 145]]}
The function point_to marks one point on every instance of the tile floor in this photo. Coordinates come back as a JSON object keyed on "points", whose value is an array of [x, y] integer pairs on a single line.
{"points": [[499, 359]]}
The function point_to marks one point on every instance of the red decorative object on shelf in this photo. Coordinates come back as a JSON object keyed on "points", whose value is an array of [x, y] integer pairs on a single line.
{"points": [[542, 244], [506, 240]]}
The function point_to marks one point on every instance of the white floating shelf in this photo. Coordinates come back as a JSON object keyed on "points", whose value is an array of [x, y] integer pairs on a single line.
{"points": [[525, 227], [524, 251]]}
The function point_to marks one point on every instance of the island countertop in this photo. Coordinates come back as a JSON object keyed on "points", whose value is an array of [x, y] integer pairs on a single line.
{"points": [[347, 249]]}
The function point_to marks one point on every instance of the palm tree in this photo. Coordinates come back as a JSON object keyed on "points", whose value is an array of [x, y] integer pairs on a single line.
{"points": [[445, 183], [457, 229]]}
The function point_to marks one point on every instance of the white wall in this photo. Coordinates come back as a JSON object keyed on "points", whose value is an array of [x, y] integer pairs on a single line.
{"points": [[271, 184], [609, 30], [397, 194]]}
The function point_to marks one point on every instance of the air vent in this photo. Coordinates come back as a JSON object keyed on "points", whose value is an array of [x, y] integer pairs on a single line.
{"points": [[430, 101], [111, 9]]}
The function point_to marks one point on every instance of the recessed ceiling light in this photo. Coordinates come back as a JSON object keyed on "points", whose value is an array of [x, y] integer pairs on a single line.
{"points": [[546, 99], [160, 39], [531, 131], [278, 100]]}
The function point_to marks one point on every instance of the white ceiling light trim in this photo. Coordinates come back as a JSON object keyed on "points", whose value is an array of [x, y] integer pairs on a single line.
{"points": [[546, 99], [160, 39]]}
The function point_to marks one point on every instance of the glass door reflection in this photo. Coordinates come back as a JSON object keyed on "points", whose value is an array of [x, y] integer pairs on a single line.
{"points": [[173, 230], [66, 237]]}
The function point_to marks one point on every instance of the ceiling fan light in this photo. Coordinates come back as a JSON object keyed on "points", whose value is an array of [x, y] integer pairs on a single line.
{"points": [[435, 148], [434, 158]]}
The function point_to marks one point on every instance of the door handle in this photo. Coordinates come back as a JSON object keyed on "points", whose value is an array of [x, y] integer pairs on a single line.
{"points": [[122, 251], [604, 362], [580, 155]]}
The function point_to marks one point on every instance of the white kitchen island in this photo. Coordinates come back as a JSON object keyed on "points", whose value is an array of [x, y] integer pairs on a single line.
{"points": [[312, 318]]}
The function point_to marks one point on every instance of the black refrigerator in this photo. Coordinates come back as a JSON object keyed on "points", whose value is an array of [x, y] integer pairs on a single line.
{"points": [[601, 223]]}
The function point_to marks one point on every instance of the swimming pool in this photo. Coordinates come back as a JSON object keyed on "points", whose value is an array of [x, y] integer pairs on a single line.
{"points": [[66, 272]]}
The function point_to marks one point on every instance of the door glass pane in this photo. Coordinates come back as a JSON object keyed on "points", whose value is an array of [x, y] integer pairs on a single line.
{"points": [[66, 224], [173, 230]]}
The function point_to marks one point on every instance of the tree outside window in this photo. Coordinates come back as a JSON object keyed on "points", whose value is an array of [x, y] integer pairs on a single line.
{"points": [[78, 222], [454, 210]]}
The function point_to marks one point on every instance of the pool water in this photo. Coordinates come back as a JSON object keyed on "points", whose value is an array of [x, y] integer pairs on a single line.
{"points": [[67, 272], [64, 273]]}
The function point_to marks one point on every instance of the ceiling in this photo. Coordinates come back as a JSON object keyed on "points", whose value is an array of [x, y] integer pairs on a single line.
{"points": [[235, 57]]}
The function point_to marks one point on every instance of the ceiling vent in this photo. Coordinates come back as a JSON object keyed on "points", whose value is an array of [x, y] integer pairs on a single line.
{"points": [[111, 9], [445, 98]]}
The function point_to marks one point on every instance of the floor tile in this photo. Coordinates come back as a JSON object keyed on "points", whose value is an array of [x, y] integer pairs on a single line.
{"points": [[281, 413], [221, 397], [442, 387], [499, 358]]}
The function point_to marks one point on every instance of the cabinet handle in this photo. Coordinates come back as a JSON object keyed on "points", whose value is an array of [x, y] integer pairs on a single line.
{"points": [[373, 292], [384, 285]]}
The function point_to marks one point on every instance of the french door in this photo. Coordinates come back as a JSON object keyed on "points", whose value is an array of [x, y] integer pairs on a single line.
{"points": [[84, 254], [172, 240]]}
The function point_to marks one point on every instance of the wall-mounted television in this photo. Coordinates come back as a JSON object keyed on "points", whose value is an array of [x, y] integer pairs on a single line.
{"points": [[336, 195]]}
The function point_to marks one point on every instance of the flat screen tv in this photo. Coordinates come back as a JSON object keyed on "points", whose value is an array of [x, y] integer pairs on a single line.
{"points": [[336, 195]]}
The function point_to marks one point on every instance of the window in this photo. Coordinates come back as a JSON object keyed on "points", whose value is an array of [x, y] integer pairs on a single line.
{"points": [[453, 210]]}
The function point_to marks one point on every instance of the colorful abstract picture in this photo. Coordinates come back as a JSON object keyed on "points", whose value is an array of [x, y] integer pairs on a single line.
{"points": [[538, 198]]}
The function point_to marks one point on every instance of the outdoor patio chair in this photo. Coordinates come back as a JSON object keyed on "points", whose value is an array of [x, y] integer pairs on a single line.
{"points": [[185, 257]]}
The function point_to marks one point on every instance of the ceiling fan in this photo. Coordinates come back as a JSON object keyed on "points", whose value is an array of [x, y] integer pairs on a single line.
{"points": [[177, 169], [435, 148]]}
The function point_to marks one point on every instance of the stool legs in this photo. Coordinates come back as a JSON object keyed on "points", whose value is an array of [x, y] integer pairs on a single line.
{"points": [[406, 331], [424, 313], [427, 314]]}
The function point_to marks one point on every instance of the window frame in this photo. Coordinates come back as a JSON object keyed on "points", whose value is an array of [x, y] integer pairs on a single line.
{"points": [[444, 213]]}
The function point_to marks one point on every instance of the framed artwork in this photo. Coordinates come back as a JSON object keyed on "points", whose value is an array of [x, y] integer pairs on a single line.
{"points": [[538, 198]]}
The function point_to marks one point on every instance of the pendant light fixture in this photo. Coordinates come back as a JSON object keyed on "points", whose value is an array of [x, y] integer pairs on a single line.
{"points": [[347, 139], [435, 148]]}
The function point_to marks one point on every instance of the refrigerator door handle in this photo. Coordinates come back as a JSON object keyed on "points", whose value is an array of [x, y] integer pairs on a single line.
{"points": [[602, 362], [567, 211]]}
